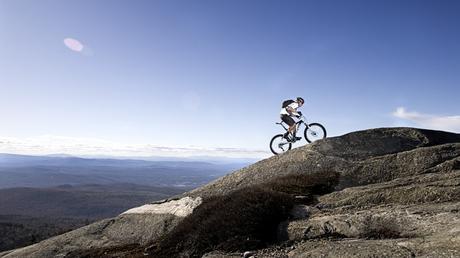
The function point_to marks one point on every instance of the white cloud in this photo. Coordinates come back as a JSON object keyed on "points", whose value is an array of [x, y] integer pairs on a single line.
{"points": [[73, 44], [51, 144], [446, 123]]}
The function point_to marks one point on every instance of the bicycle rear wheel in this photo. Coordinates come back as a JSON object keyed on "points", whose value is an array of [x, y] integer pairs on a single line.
{"points": [[314, 132], [279, 144]]}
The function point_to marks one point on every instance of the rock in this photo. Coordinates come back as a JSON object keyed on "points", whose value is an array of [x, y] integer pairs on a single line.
{"points": [[303, 212], [351, 248], [122, 230], [398, 196], [182, 207], [363, 157]]}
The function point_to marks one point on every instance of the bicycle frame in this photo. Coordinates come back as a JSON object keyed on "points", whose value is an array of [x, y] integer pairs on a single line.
{"points": [[297, 124]]}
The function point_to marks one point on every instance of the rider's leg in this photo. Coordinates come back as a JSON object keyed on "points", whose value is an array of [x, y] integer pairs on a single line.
{"points": [[286, 135], [290, 122], [292, 129]]}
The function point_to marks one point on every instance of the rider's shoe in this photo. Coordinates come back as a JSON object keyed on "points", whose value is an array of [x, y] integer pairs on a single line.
{"points": [[297, 138]]}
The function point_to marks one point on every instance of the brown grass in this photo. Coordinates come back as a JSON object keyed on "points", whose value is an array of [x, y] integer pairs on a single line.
{"points": [[245, 219]]}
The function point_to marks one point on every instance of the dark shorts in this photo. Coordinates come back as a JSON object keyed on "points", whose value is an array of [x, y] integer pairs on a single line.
{"points": [[288, 120]]}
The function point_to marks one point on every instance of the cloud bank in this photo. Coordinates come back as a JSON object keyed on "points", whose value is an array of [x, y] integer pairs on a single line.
{"points": [[445, 123], [51, 144]]}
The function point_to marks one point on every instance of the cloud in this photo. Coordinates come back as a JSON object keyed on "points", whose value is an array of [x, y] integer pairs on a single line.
{"points": [[73, 44], [446, 123], [51, 144]]}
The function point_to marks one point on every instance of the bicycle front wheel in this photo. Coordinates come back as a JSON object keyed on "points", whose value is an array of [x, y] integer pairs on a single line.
{"points": [[314, 132], [279, 144]]}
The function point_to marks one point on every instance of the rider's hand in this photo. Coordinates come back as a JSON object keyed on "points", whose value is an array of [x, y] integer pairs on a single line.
{"points": [[300, 113]]}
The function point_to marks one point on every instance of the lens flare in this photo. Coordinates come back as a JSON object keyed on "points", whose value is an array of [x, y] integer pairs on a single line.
{"points": [[73, 44]]}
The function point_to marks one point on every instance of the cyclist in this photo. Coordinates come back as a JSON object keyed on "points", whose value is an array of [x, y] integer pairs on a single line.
{"points": [[286, 114]]}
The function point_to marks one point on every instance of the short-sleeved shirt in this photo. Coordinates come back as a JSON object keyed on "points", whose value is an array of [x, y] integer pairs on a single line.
{"points": [[293, 105]]}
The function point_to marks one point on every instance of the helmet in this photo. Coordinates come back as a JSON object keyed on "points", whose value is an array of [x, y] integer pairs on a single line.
{"points": [[299, 99]]}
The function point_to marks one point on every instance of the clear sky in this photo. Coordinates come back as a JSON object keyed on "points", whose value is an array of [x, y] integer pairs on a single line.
{"points": [[211, 75]]}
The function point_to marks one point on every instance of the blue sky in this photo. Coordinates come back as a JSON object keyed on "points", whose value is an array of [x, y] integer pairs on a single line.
{"points": [[210, 76]]}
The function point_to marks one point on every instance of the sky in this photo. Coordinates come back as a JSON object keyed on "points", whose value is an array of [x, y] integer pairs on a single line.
{"points": [[181, 78]]}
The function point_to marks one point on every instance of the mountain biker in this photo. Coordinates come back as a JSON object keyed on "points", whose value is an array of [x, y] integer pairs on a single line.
{"points": [[287, 113]]}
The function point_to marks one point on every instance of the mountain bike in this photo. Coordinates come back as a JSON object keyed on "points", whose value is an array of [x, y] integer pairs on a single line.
{"points": [[312, 132]]}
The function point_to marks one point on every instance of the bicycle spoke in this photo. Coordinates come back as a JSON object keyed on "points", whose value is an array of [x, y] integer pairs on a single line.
{"points": [[315, 132], [279, 144]]}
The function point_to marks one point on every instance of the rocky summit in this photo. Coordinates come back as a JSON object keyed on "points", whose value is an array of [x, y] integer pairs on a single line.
{"points": [[387, 192]]}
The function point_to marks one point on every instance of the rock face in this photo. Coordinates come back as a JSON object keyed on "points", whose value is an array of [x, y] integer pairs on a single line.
{"points": [[398, 196], [181, 208]]}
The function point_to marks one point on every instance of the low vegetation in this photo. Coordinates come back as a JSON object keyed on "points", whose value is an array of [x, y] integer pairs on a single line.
{"points": [[245, 219], [381, 228], [29, 215], [17, 231]]}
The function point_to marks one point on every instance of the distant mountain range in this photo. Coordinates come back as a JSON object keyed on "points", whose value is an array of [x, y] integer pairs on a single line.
{"points": [[48, 171], [81, 201], [42, 196], [198, 158], [28, 215]]}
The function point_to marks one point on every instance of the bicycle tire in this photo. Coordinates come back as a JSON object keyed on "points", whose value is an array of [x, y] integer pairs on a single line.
{"points": [[272, 142], [318, 127]]}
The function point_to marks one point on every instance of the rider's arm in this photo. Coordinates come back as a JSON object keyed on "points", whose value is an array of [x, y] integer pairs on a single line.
{"points": [[292, 111]]}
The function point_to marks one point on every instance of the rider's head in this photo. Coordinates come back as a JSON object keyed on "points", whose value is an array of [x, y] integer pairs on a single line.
{"points": [[300, 101]]}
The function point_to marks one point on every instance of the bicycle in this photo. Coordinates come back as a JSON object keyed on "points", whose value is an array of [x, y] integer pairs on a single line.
{"points": [[312, 133]]}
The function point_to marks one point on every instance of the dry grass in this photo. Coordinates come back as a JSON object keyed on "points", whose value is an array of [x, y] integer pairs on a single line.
{"points": [[242, 220]]}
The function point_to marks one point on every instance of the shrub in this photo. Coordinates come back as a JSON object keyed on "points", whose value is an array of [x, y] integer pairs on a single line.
{"points": [[305, 184], [381, 228], [245, 219]]}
